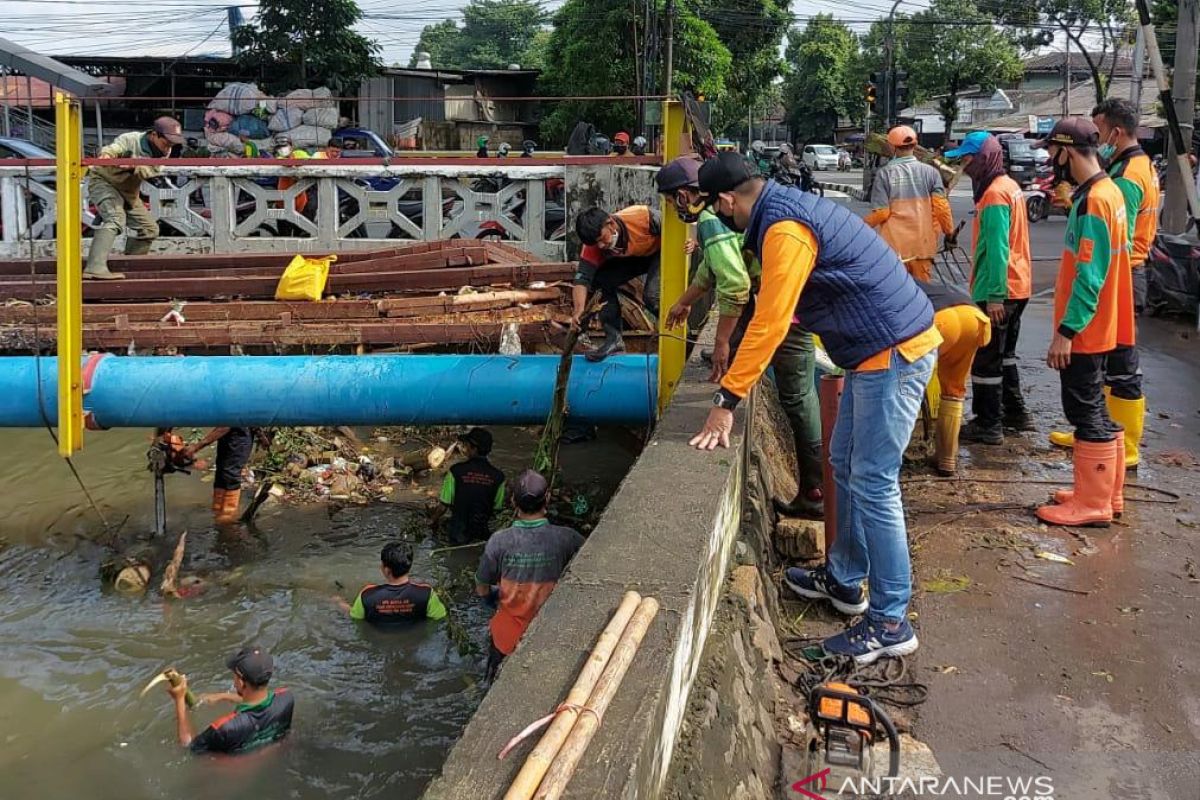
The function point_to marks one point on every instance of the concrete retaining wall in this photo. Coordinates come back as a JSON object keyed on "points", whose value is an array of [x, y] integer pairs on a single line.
{"points": [[610, 188], [668, 532]]}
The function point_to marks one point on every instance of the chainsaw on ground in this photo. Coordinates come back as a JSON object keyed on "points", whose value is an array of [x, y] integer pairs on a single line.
{"points": [[843, 729]]}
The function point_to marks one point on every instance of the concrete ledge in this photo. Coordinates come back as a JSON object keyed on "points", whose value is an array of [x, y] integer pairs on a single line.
{"points": [[668, 532], [857, 192]]}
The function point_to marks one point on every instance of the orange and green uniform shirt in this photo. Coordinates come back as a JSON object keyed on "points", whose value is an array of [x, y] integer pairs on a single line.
{"points": [[909, 206], [725, 268], [789, 254], [1093, 296], [1134, 175], [526, 562], [473, 490], [1001, 268], [248, 727]]}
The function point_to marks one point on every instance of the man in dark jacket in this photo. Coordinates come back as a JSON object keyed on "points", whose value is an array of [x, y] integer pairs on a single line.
{"points": [[823, 267]]}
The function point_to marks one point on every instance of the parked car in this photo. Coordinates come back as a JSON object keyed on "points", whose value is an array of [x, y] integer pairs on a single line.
{"points": [[820, 156], [363, 143], [1024, 162]]}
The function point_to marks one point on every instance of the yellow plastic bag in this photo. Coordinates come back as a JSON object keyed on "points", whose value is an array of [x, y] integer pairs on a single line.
{"points": [[304, 278]]}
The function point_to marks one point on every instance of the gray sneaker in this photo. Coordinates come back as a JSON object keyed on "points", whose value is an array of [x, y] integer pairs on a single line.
{"points": [[102, 275]]}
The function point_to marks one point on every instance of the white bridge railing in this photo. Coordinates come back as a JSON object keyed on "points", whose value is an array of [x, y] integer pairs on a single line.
{"points": [[326, 207]]}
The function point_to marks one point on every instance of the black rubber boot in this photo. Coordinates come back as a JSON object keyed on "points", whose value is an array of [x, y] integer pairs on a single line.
{"points": [[610, 318], [986, 428], [808, 503], [1016, 415]]}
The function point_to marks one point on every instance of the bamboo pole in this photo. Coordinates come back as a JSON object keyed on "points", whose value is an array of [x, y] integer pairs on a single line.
{"points": [[169, 587], [540, 758], [563, 768]]}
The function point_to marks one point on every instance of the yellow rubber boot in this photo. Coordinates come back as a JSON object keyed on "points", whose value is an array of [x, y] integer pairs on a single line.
{"points": [[1130, 415], [1118, 492], [949, 419], [1062, 439], [1090, 504]]}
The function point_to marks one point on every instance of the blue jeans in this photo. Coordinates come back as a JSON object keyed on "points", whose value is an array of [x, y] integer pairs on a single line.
{"points": [[875, 421]]}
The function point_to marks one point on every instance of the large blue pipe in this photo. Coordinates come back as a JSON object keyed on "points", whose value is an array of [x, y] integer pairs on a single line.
{"points": [[151, 391]]}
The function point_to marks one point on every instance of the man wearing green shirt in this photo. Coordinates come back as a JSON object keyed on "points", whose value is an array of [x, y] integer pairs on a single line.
{"points": [[398, 599], [734, 277], [472, 491]]}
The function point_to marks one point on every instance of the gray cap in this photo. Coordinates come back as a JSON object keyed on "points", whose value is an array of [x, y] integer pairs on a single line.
{"points": [[683, 171], [170, 129], [253, 663]]}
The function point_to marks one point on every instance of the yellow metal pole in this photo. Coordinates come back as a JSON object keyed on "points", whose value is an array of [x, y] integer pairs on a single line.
{"points": [[672, 344], [68, 183]]}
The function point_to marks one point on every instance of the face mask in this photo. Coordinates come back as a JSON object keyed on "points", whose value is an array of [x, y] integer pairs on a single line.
{"points": [[688, 212], [1062, 169], [283, 152]]}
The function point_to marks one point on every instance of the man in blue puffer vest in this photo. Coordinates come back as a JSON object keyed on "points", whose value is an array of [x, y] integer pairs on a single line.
{"points": [[826, 268]]}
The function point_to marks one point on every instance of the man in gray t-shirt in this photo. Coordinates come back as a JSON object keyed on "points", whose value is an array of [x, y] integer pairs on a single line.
{"points": [[524, 563]]}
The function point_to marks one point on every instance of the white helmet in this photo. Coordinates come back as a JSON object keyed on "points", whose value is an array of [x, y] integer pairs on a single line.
{"points": [[503, 149], [758, 147]]}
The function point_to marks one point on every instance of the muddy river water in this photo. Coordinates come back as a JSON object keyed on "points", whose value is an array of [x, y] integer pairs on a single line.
{"points": [[376, 712]]}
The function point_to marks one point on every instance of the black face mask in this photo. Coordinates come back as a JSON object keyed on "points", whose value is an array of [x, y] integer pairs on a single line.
{"points": [[728, 222], [1062, 172]]}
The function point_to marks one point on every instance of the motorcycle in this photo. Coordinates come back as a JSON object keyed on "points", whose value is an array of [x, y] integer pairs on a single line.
{"points": [[798, 174], [1040, 199]]}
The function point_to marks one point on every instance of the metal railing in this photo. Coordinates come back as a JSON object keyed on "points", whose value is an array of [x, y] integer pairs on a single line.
{"points": [[314, 208]]}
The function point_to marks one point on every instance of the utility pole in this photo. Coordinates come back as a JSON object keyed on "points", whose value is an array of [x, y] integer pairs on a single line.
{"points": [[889, 87], [670, 45], [1066, 107], [1139, 67], [1183, 96]]}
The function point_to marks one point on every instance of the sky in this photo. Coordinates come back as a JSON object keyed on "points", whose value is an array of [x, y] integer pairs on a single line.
{"points": [[198, 27]]}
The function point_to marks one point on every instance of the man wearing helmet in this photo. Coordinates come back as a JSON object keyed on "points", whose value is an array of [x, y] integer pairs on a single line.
{"points": [[639, 146], [735, 278], [909, 205], [758, 157]]}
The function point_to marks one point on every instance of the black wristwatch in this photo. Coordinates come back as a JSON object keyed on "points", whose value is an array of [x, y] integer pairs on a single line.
{"points": [[723, 398]]}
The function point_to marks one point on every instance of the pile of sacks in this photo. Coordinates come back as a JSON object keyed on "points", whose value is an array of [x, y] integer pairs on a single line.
{"points": [[308, 116]]}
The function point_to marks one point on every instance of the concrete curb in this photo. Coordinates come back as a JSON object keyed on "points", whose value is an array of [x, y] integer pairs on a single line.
{"points": [[853, 191]]}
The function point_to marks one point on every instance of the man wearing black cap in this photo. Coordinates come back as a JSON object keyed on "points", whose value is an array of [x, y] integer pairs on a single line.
{"points": [[115, 192], [472, 491], [1093, 313], [262, 716], [523, 564], [735, 278], [824, 267]]}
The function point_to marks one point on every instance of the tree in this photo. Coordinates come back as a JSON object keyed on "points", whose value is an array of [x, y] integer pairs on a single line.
{"points": [[440, 41], [595, 48], [820, 64], [299, 43], [495, 33], [752, 31], [1096, 29], [952, 46]]}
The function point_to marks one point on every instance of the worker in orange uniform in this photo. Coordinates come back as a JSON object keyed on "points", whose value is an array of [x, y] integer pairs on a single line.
{"points": [[964, 329], [824, 267], [1131, 169], [1093, 313], [909, 205], [1001, 280], [617, 248]]}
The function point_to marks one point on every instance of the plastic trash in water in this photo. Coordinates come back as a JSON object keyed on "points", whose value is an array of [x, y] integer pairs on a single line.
{"points": [[581, 505], [510, 340]]}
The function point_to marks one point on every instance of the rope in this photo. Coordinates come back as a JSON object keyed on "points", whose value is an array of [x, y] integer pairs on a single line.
{"points": [[884, 681], [538, 724], [37, 362]]}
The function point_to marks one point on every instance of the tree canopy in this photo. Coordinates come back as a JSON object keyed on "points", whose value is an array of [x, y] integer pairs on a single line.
{"points": [[1097, 30], [494, 34], [299, 43], [595, 49], [752, 31], [954, 45], [819, 85]]}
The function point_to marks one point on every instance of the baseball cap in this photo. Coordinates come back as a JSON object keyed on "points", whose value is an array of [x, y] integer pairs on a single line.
{"points": [[724, 173], [621, 136], [479, 438], [901, 136], [529, 490], [253, 663], [170, 129], [683, 171], [971, 144], [1072, 132]]}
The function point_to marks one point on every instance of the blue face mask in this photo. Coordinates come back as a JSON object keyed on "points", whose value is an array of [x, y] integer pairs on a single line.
{"points": [[1107, 151]]}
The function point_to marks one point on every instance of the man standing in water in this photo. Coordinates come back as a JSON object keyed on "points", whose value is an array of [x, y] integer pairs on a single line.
{"points": [[522, 564], [262, 716], [234, 447], [472, 491], [399, 599]]}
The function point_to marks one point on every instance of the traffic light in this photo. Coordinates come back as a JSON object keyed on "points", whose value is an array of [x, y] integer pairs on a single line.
{"points": [[901, 90], [869, 91]]}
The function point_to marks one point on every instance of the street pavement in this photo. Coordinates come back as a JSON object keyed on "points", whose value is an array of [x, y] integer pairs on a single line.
{"points": [[1088, 674]]}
